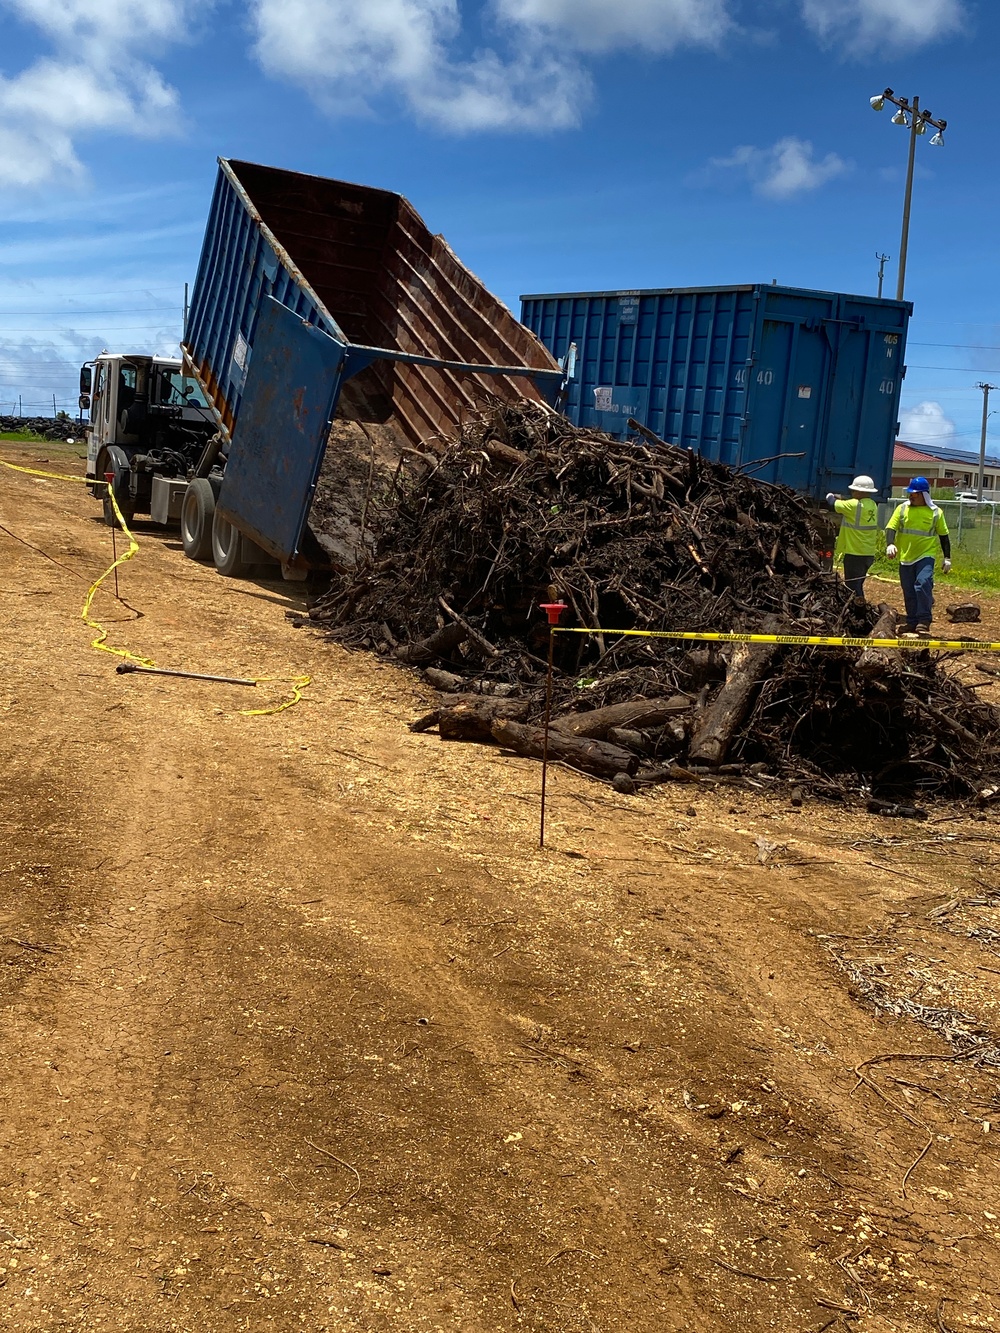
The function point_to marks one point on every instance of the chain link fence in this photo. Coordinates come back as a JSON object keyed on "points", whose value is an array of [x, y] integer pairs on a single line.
{"points": [[974, 528]]}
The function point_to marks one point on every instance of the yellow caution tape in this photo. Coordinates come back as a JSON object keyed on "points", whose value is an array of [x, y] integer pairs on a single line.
{"points": [[795, 640], [298, 683]]}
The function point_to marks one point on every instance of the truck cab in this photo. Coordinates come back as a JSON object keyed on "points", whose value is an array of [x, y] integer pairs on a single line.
{"points": [[149, 424]]}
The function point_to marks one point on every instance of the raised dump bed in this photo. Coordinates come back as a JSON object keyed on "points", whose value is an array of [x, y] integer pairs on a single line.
{"points": [[315, 297]]}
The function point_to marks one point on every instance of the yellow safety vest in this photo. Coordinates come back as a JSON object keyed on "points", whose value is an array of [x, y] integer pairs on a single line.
{"points": [[858, 526], [918, 528]]}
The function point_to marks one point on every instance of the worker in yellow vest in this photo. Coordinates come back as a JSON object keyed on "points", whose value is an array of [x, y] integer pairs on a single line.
{"points": [[918, 525], [858, 532]]}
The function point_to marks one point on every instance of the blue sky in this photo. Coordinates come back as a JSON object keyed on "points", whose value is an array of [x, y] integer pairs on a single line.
{"points": [[559, 145]]}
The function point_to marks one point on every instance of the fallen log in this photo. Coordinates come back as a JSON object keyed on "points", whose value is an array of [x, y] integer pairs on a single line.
{"points": [[445, 681], [591, 756], [881, 661], [716, 726], [439, 644], [636, 741], [450, 683], [634, 714], [463, 718]]}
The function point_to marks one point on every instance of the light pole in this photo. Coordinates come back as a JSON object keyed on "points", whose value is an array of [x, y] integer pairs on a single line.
{"points": [[916, 121], [982, 438]]}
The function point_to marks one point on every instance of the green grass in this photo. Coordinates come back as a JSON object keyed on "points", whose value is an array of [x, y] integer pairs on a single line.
{"points": [[969, 569], [76, 450]]}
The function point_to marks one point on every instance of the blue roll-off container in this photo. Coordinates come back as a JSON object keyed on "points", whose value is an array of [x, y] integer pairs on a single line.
{"points": [[809, 380]]}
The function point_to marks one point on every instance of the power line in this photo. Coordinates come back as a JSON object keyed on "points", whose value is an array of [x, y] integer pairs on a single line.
{"points": [[128, 310], [956, 370], [103, 328], [982, 347]]}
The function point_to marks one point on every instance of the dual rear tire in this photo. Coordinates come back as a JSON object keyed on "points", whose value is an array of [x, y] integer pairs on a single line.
{"points": [[206, 535]]}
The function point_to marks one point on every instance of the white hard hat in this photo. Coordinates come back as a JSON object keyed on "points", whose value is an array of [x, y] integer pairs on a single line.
{"points": [[864, 484]]}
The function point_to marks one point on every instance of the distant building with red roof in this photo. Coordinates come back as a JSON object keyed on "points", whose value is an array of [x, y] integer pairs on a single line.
{"points": [[945, 468]]}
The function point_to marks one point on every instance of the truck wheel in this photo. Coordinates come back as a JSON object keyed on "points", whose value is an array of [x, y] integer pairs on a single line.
{"points": [[115, 460], [235, 556], [197, 515]]}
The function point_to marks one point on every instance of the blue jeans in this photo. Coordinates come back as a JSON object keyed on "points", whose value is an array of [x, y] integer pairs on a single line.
{"points": [[917, 582]]}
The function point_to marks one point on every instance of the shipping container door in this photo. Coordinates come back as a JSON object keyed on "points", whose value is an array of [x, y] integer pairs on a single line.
{"points": [[864, 406], [787, 391], [292, 384]]}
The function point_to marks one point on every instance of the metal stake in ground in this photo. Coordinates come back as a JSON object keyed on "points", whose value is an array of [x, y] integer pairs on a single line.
{"points": [[126, 669], [553, 610], [114, 555], [109, 478]]}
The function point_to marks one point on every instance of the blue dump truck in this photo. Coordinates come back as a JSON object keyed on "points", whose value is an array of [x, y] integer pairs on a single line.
{"points": [[793, 386], [314, 298]]}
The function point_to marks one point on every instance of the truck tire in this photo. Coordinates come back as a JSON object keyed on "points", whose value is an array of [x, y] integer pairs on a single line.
{"points": [[235, 556], [197, 515], [113, 459]]}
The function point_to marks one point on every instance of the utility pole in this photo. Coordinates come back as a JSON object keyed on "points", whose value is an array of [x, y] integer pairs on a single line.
{"points": [[881, 270], [982, 438], [185, 324]]}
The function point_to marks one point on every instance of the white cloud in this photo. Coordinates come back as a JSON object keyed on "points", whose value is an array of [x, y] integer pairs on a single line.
{"points": [[345, 53], [926, 424], [782, 171], [604, 25], [95, 80], [866, 25]]}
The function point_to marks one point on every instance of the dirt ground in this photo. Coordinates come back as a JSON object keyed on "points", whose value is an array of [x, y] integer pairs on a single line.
{"points": [[300, 1030]]}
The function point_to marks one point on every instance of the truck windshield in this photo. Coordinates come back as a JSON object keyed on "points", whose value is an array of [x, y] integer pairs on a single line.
{"points": [[178, 390]]}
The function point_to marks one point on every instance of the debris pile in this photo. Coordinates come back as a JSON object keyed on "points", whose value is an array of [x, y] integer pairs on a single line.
{"points": [[525, 508]]}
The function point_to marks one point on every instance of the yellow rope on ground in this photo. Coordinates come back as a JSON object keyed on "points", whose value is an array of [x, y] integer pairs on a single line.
{"points": [[298, 683], [100, 642]]}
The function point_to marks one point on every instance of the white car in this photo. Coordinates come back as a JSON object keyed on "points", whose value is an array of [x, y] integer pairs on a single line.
{"points": [[967, 498]]}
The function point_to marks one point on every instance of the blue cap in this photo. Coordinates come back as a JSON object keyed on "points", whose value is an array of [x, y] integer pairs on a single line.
{"points": [[919, 484]]}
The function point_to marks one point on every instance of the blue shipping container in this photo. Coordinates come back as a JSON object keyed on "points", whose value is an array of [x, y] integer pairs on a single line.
{"points": [[740, 374]]}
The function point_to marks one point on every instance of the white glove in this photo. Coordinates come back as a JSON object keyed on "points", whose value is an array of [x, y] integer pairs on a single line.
{"points": [[830, 498], [946, 566], [890, 551]]}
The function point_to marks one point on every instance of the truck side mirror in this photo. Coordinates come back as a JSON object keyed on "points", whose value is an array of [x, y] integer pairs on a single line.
{"points": [[86, 380], [84, 402]]}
